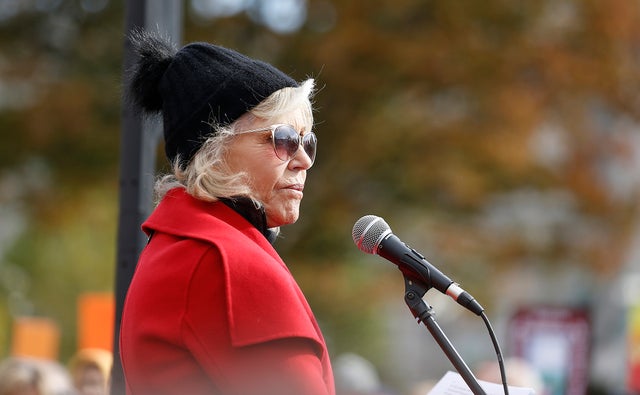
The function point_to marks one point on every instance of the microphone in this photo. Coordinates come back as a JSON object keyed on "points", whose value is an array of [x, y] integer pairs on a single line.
{"points": [[372, 235]]}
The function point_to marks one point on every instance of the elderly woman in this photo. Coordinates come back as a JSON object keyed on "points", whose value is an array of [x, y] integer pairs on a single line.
{"points": [[212, 308]]}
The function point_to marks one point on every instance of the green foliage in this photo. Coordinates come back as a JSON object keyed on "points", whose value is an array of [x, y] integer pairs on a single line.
{"points": [[67, 251]]}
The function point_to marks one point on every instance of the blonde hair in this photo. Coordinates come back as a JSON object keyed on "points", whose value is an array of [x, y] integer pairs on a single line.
{"points": [[92, 357], [207, 177]]}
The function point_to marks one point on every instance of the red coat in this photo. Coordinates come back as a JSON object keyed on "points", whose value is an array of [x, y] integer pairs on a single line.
{"points": [[212, 309]]}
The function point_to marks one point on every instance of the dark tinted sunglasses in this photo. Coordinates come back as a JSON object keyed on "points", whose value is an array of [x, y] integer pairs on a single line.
{"points": [[286, 141]]}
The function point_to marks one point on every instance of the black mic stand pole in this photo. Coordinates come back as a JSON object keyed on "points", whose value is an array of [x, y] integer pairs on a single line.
{"points": [[414, 291]]}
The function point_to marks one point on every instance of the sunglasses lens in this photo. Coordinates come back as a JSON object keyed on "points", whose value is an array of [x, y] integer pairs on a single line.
{"points": [[310, 145], [286, 141]]}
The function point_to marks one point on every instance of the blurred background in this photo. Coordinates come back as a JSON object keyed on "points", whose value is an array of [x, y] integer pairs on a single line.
{"points": [[499, 138]]}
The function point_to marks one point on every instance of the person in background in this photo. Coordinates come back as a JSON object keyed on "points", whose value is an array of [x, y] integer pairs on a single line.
{"points": [[212, 308], [90, 370], [34, 376], [355, 375], [20, 377]]}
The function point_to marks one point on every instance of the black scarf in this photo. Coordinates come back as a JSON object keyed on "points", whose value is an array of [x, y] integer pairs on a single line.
{"points": [[255, 215]]}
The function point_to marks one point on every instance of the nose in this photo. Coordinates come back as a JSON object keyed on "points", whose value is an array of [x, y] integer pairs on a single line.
{"points": [[301, 159]]}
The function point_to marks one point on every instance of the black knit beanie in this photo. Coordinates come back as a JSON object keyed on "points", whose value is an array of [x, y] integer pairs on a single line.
{"points": [[195, 87]]}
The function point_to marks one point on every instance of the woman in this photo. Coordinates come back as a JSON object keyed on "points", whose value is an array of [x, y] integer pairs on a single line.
{"points": [[212, 309]]}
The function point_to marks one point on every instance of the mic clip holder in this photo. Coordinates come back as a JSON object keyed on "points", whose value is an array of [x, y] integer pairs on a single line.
{"points": [[423, 312]]}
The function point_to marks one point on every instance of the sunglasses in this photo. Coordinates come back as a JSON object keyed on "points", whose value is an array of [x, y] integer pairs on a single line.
{"points": [[286, 141]]}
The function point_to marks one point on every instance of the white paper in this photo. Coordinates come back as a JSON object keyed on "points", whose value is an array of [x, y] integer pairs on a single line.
{"points": [[453, 384]]}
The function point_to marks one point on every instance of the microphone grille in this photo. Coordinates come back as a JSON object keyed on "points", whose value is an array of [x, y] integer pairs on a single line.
{"points": [[368, 232]]}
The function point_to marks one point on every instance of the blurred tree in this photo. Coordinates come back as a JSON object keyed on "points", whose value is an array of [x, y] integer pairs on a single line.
{"points": [[60, 65]]}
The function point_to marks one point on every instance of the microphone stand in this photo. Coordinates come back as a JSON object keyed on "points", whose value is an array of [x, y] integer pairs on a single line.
{"points": [[414, 291]]}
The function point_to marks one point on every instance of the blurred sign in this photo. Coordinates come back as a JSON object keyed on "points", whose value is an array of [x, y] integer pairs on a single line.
{"points": [[631, 299], [555, 340], [36, 337], [96, 316], [634, 349]]}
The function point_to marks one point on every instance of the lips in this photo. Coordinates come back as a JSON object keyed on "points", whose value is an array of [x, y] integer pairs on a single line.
{"points": [[295, 187]]}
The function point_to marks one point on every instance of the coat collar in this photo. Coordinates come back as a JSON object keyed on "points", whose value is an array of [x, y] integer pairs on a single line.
{"points": [[182, 214], [253, 213]]}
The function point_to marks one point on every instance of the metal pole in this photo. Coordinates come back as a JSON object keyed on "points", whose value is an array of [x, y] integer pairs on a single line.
{"points": [[139, 142]]}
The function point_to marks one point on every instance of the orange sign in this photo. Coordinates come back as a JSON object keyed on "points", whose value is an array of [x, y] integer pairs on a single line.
{"points": [[36, 337], [96, 317]]}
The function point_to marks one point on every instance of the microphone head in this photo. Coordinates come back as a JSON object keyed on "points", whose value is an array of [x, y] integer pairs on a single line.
{"points": [[368, 232]]}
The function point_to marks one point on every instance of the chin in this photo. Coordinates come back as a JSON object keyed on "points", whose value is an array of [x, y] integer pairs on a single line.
{"points": [[281, 213], [282, 219]]}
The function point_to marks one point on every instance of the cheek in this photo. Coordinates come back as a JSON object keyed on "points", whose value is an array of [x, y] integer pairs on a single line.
{"points": [[255, 161], [246, 158], [265, 174], [261, 165]]}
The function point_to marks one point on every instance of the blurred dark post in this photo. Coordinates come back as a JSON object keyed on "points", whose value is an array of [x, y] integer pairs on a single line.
{"points": [[139, 142]]}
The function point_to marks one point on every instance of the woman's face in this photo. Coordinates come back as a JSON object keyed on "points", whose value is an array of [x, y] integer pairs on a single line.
{"points": [[277, 184]]}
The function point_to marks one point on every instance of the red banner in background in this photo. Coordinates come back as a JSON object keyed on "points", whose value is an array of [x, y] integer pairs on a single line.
{"points": [[555, 341], [634, 349]]}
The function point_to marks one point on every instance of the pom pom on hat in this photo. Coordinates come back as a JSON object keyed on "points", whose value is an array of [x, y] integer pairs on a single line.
{"points": [[155, 55], [196, 87]]}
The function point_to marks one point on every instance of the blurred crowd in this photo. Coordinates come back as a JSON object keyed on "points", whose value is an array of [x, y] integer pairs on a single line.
{"points": [[86, 373]]}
